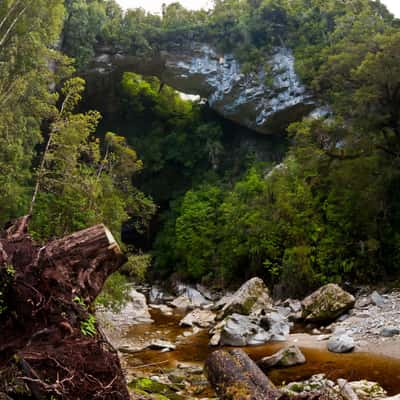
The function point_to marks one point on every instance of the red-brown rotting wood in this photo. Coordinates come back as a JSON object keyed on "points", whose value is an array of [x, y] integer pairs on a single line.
{"points": [[41, 341]]}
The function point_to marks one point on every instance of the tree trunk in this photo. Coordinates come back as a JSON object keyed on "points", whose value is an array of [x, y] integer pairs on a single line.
{"points": [[234, 376], [48, 291]]}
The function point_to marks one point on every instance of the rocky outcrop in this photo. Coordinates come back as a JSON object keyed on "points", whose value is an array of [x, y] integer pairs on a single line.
{"points": [[251, 298], [287, 357], [326, 304], [263, 101]]}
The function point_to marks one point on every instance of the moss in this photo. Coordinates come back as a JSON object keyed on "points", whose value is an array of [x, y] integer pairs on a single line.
{"points": [[296, 387], [150, 386], [248, 304]]}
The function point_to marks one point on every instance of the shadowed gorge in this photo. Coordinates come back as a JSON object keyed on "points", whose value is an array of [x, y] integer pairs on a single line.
{"points": [[181, 189]]}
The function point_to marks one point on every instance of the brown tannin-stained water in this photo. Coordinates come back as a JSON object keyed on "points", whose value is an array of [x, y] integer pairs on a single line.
{"points": [[195, 349]]}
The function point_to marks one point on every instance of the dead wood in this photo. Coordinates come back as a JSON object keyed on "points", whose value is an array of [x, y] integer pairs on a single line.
{"points": [[48, 291]]}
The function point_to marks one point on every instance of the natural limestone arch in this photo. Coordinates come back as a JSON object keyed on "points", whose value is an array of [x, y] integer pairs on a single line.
{"points": [[198, 68]]}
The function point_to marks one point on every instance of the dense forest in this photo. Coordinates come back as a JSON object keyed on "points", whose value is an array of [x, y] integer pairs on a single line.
{"points": [[324, 203]]}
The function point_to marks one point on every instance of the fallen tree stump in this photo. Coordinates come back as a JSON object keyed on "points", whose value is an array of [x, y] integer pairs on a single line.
{"points": [[48, 293], [234, 376]]}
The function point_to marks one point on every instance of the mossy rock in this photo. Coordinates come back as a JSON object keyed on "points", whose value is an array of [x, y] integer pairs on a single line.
{"points": [[252, 296], [150, 386], [326, 304]]}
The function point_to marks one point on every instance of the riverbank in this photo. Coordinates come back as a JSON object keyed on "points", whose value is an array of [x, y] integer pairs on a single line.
{"points": [[373, 355]]}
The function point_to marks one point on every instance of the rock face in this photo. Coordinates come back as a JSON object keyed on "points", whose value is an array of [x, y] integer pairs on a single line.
{"points": [[198, 68], [251, 298], [240, 330], [341, 344], [288, 357], [326, 304]]}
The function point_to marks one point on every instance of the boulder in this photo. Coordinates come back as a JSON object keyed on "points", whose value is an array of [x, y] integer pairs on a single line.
{"points": [[223, 301], [341, 344], [377, 299], [181, 302], [162, 345], [189, 298], [367, 390], [251, 298], [277, 325], [156, 295], [294, 305], [135, 311], [317, 384], [198, 317], [389, 331], [240, 330], [346, 390], [326, 304], [288, 357], [164, 309]]}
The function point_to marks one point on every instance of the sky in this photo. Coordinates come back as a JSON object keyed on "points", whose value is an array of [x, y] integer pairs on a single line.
{"points": [[155, 5]]}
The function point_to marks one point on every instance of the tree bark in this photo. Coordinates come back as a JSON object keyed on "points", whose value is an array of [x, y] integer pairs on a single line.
{"points": [[234, 376], [48, 291]]}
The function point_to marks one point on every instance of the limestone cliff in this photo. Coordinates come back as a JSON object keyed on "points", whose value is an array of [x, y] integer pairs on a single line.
{"points": [[264, 104]]}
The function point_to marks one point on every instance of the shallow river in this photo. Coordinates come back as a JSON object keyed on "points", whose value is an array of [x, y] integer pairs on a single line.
{"points": [[195, 349]]}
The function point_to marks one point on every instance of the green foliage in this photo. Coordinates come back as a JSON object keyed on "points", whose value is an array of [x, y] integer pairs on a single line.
{"points": [[28, 30], [88, 326], [78, 186], [114, 293], [137, 266], [171, 135]]}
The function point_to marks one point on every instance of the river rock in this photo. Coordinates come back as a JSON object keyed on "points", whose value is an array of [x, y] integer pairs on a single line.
{"points": [[162, 345], [377, 299], [326, 304], [341, 344], [363, 302], [277, 325], [346, 390], [163, 308], [367, 390], [206, 292], [389, 331], [135, 311], [156, 295], [189, 298], [288, 357], [240, 330], [181, 302], [294, 305], [251, 298], [198, 317], [316, 384], [223, 301]]}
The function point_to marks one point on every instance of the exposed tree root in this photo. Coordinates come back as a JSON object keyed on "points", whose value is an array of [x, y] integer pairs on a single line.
{"points": [[48, 291]]}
